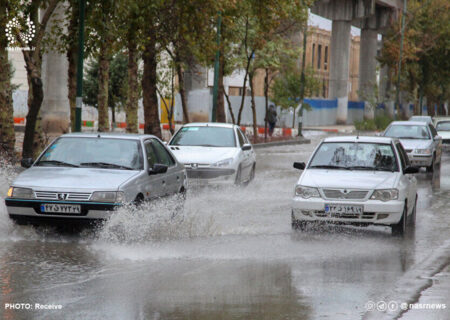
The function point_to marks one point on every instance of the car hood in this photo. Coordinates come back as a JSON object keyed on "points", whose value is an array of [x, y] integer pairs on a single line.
{"points": [[415, 143], [203, 155], [351, 179], [74, 179], [444, 134]]}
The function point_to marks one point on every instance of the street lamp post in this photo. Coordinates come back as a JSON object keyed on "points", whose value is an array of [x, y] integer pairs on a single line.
{"points": [[79, 98], [216, 70]]}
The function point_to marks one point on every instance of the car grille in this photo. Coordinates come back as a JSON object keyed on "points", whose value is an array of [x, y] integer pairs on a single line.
{"points": [[364, 215], [208, 173], [344, 194], [408, 150], [72, 196], [446, 141]]}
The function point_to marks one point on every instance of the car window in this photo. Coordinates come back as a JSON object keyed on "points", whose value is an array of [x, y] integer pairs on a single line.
{"points": [[240, 138], [433, 130], [443, 126], [163, 156], [110, 153], [403, 156], [150, 154], [204, 136], [408, 132], [354, 155], [244, 136]]}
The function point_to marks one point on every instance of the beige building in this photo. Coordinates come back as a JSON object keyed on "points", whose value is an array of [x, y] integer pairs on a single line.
{"points": [[317, 56]]}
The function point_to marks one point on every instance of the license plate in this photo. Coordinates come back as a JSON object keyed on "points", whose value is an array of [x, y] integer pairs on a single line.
{"points": [[340, 209], [60, 208]]}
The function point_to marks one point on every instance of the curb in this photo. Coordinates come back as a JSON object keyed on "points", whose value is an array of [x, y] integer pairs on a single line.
{"points": [[281, 143]]}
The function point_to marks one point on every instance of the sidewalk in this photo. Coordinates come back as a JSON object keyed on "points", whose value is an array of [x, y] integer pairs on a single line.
{"points": [[332, 128]]}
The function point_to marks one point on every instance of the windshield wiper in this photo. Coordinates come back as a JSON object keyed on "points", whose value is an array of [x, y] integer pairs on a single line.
{"points": [[329, 167], [371, 168], [410, 138], [105, 165], [57, 163]]}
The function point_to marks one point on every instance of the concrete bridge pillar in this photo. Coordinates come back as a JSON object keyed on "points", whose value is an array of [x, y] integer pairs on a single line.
{"points": [[368, 70], [55, 108], [339, 71]]}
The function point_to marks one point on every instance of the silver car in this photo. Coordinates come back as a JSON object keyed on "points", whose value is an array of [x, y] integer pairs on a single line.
{"points": [[86, 176], [420, 140]]}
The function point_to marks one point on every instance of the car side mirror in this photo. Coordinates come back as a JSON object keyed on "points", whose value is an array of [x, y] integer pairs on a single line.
{"points": [[26, 162], [246, 147], [299, 165], [409, 170], [157, 169]]}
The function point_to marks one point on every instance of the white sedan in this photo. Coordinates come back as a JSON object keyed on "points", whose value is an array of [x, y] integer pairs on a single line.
{"points": [[356, 180], [214, 153]]}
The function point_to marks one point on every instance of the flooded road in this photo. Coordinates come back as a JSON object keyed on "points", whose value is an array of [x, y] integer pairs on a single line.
{"points": [[230, 254]]}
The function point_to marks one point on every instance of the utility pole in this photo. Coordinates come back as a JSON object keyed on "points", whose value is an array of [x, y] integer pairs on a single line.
{"points": [[216, 70], [302, 81], [399, 69], [79, 99]]}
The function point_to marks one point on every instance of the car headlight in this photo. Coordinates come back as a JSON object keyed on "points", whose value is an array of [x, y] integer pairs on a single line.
{"points": [[385, 194], [108, 196], [20, 193], [223, 163], [424, 151], [307, 192]]}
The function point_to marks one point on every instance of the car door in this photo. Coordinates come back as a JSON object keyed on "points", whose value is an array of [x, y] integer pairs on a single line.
{"points": [[156, 183], [174, 176], [246, 164], [408, 181]]}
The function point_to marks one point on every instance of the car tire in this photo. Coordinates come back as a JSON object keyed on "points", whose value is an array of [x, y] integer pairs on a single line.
{"points": [[412, 220], [238, 179], [298, 224], [139, 200], [400, 228], [431, 167]]}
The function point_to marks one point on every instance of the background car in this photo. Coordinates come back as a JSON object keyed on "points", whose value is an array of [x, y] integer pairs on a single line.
{"points": [[85, 176], [356, 180], [217, 153], [426, 119], [420, 140], [442, 126]]}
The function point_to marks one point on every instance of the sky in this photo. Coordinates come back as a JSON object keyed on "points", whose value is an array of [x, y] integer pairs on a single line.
{"points": [[323, 23]]}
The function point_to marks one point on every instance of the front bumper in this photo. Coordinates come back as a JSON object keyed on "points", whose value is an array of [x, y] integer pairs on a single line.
{"points": [[420, 160], [374, 211], [32, 208]]}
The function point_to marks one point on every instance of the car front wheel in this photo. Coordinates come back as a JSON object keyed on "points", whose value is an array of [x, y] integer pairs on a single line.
{"points": [[400, 228]]}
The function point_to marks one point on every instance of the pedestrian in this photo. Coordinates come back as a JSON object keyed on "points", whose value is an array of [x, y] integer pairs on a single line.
{"points": [[271, 118]]}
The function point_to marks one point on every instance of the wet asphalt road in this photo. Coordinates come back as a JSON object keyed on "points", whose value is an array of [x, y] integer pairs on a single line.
{"points": [[230, 255]]}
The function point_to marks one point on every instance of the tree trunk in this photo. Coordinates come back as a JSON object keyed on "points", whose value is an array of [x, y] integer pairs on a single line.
{"points": [[7, 133], [182, 93], [133, 89], [103, 84], [220, 102], [72, 57], [229, 107], [255, 125], [244, 88], [150, 98]]}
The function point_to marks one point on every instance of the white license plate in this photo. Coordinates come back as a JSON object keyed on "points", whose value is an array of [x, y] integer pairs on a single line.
{"points": [[338, 209], [60, 208]]}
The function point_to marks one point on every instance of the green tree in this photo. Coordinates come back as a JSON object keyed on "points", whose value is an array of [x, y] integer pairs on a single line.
{"points": [[117, 84]]}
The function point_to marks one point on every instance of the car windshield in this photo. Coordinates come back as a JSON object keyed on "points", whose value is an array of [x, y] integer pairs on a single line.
{"points": [[204, 136], [354, 156], [93, 152], [408, 132], [443, 126]]}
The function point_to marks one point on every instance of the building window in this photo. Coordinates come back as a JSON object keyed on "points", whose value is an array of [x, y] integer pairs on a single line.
{"points": [[319, 55], [325, 59], [248, 92], [324, 89], [234, 91], [312, 55]]}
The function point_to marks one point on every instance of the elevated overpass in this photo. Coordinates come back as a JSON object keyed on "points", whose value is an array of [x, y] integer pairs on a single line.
{"points": [[373, 17]]}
